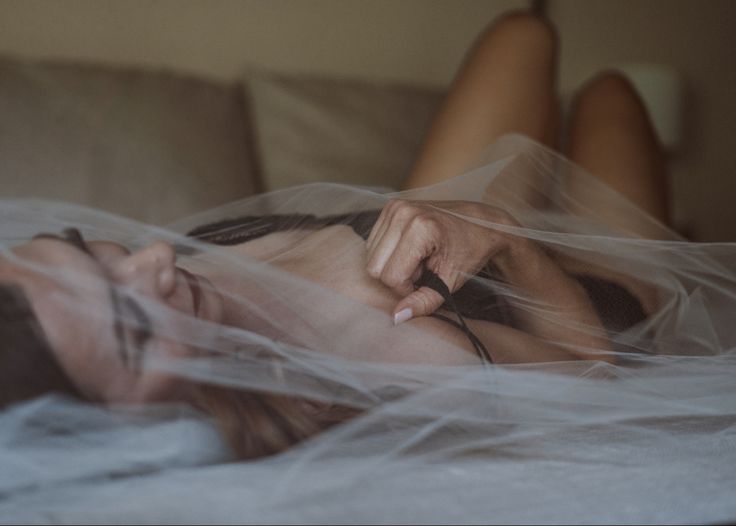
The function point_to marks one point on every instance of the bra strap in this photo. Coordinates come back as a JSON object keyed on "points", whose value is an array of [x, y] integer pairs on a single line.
{"points": [[433, 281]]}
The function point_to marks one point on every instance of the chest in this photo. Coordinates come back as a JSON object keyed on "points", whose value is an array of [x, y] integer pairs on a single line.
{"points": [[335, 259]]}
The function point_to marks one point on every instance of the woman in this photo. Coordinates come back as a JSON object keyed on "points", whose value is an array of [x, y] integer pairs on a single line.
{"points": [[497, 270]]}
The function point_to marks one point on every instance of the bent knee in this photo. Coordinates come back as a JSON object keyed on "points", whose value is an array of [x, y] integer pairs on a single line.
{"points": [[521, 27], [608, 92]]}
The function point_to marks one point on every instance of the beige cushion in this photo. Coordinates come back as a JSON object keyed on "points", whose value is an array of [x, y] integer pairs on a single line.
{"points": [[312, 129], [150, 145]]}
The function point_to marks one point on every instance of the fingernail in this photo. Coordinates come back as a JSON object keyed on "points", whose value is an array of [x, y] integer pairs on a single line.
{"points": [[402, 316]]}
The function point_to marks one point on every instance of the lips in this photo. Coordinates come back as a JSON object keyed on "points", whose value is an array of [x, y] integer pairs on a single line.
{"points": [[194, 288]]}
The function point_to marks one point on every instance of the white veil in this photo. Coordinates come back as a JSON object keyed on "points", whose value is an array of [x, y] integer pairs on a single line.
{"points": [[648, 438]]}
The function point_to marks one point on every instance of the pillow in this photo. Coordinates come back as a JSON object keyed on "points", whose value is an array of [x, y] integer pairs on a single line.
{"points": [[311, 129], [149, 145]]}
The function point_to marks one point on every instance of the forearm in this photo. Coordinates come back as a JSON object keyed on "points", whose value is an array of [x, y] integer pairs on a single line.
{"points": [[508, 345], [553, 307]]}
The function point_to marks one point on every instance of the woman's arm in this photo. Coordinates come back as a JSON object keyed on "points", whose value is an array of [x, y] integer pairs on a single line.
{"points": [[409, 235], [562, 312], [508, 345]]}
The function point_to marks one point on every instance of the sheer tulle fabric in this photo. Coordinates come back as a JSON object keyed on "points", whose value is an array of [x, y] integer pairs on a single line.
{"points": [[649, 438]]}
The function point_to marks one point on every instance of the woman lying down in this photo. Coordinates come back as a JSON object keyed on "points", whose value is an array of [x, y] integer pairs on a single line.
{"points": [[287, 313]]}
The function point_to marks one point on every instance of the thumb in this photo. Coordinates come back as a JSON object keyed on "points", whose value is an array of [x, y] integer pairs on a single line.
{"points": [[422, 302]]}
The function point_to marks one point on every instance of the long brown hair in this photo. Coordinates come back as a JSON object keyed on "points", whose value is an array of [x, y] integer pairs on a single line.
{"points": [[258, 424], [28, 367]]}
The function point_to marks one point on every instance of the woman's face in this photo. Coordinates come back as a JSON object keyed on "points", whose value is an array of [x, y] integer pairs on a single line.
{"points": [[92, 309]]}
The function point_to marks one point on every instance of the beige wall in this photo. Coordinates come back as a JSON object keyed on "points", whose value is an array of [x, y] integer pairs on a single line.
{"points": [[406, 40], [418, 41]]}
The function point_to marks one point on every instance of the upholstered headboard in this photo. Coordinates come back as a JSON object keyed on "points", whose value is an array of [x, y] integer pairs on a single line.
{"points": [[157, 145]]}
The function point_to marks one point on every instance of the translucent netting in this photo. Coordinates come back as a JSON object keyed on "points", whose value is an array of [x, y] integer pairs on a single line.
{"points": [[649, 437]]}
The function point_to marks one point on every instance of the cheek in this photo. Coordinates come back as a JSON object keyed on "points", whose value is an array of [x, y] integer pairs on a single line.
{"points": [[81, 334], [90, 354], [152, 379], [82, 342]]}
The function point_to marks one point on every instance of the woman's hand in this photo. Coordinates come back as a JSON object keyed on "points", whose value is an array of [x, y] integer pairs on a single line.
{"points": [[410, 235], [442, 236]]}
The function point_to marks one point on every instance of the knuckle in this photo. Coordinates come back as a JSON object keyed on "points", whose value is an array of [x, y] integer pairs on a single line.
{"points": [[397, 281], [425, 301], [395, 204], [391, 279], [474, 208], [490, 213], [373, 270], [505, 218], [405, 210], [426, 223]]}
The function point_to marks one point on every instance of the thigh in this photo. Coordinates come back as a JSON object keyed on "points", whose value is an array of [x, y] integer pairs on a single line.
{"points": [[506, 85], [612, 138]]}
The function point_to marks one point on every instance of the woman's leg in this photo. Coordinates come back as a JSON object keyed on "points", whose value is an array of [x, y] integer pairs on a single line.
{"points": [[507, 84], [612, 138]]}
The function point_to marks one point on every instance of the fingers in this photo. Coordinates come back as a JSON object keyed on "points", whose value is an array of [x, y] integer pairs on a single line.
{"points": [[385, 236], [382, 252], [410, 235], [407, 260], [382, 224], [379, 246], [396, 258], [422, 302], [406, 237]]}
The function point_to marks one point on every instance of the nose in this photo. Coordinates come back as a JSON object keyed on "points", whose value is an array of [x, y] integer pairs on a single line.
{"points": [[151, 270]]}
